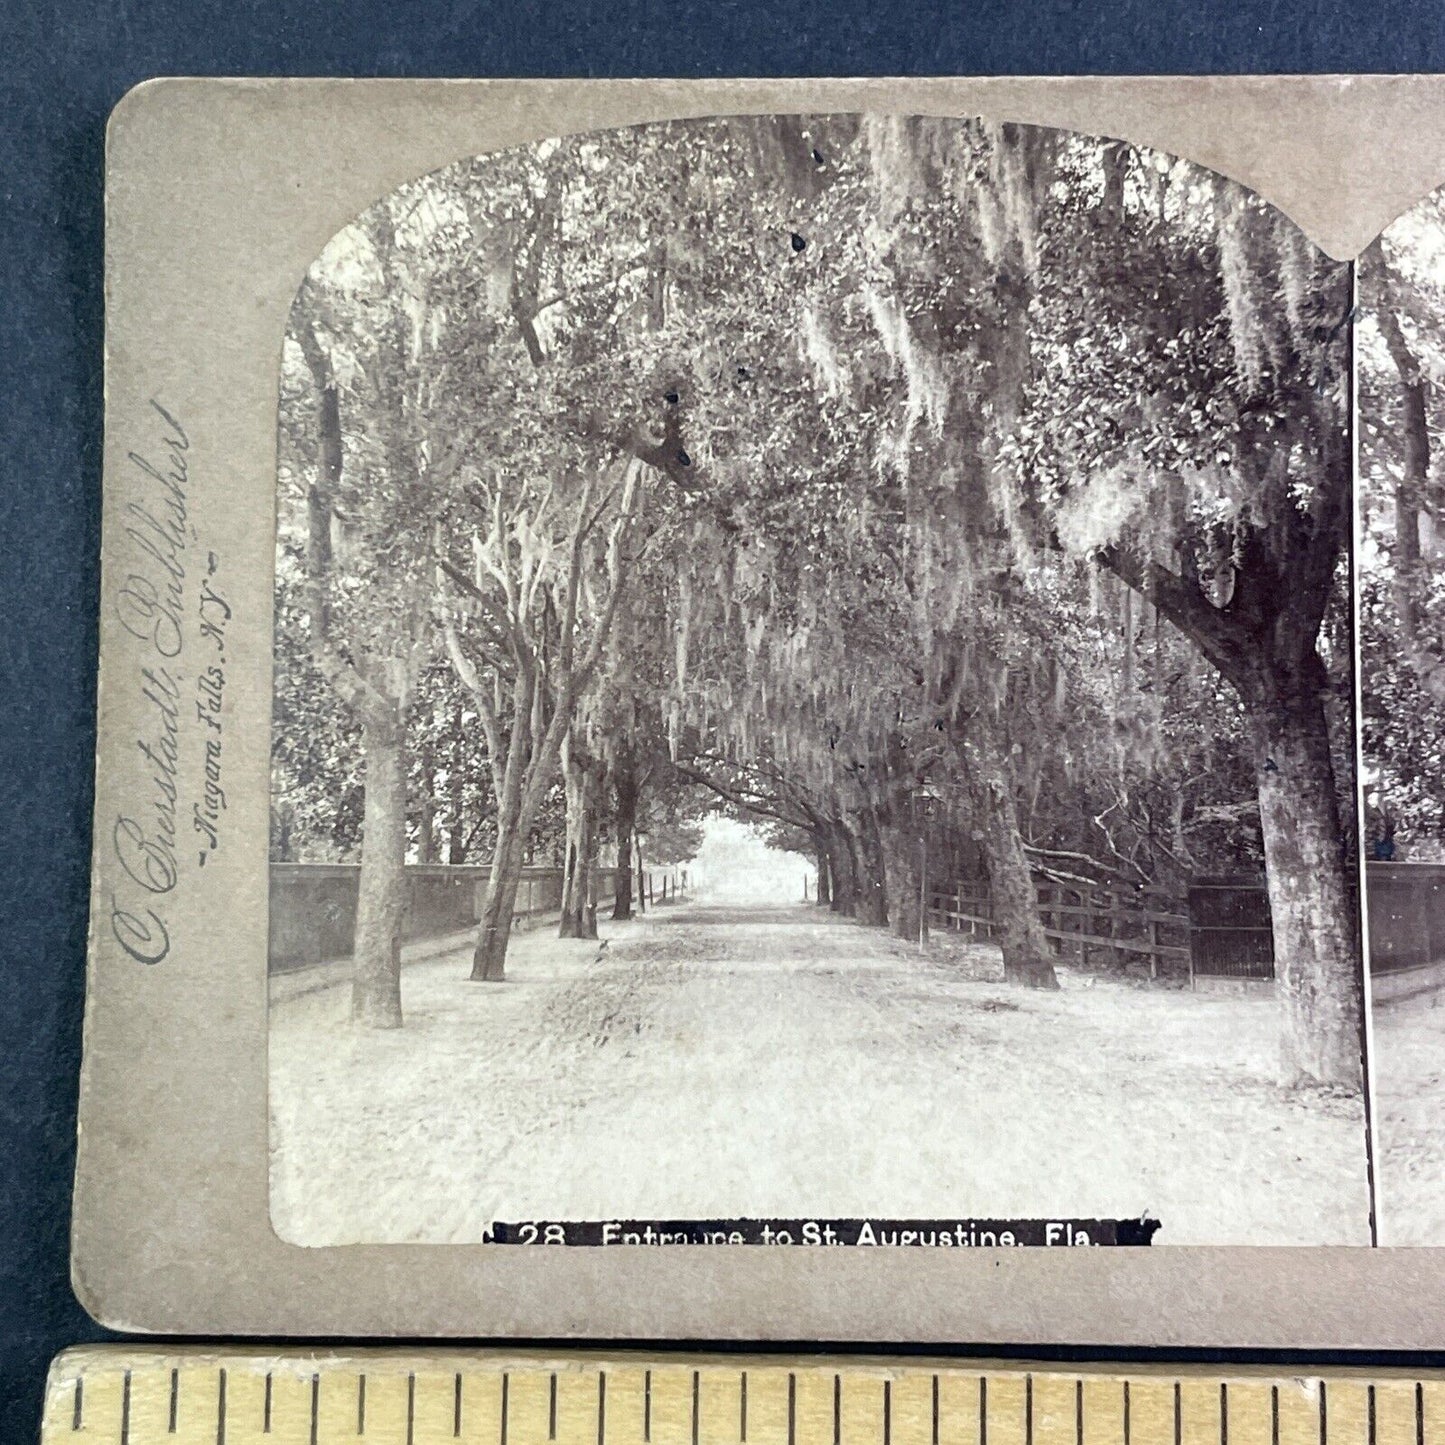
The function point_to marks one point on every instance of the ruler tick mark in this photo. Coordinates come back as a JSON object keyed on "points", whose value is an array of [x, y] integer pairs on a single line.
{"points": [[216, 1422]]}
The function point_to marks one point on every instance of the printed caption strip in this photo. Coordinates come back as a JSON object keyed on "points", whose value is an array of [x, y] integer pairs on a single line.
{"points": [[122, 1396]]}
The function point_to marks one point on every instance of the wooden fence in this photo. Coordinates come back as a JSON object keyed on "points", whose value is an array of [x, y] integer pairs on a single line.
{"points": [[1407, 915], [1231, 932], [1128, 925]]}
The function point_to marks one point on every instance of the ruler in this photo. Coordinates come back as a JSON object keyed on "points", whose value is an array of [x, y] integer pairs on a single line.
{"points": [[123, 1396]]}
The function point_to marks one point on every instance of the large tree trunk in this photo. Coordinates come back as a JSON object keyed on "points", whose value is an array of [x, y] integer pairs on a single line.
{"points": [[495, 932], [842, 870], [1027, 958], [531, 765], [1274, 665], [1283, 683], [871, 904], [490, 956], [376, 958], [579, 909], [381, 902], [820, 862], [626, 825], [902, 881], [1316, 945]]}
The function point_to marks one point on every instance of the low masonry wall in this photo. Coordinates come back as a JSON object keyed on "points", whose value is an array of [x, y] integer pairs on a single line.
{"points": [[313, 905]]}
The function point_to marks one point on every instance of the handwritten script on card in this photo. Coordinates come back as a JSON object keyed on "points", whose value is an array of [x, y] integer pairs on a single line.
{"points": [[171, 605]]}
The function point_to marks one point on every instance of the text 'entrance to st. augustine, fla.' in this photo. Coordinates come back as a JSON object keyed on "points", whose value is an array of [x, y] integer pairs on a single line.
{"points": [[813, 683]]}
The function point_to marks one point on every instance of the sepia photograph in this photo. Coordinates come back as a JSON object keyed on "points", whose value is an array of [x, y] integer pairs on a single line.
{"points": [[814, 679], [1401, 362]]}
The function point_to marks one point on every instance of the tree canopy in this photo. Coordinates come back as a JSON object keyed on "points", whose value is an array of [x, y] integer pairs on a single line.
{"points": [[901, 481], [1402, 582]]}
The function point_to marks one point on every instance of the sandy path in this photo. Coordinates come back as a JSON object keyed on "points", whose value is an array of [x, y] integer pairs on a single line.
{"points": [[732, 1062], [1409, 1054]]}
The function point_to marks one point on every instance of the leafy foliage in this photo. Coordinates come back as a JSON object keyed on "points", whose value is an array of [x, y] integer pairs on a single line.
{"points": [[906, 403], [1401, 352]]}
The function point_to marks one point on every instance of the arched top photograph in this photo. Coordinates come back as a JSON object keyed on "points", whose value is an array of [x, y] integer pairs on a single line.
{"points": [[803, 637], [1400, 348]]}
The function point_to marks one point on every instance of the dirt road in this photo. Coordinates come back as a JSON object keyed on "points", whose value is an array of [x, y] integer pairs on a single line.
{"points": [[1409, 1054], [726, 1062]]}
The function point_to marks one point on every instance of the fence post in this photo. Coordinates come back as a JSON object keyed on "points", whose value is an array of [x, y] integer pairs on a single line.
{"points": [[1189, 905], [1153, 946], [1113, 916]]}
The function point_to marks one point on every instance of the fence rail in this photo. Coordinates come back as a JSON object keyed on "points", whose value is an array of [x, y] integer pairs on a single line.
{"points": [[1082, 920], [1223, 924], [313, 905]]}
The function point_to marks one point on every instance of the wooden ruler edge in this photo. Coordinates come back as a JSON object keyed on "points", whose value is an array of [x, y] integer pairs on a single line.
{"points": [[82, 1360]]}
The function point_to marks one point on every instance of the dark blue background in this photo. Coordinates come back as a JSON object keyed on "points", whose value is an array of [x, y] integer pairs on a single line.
{"points": [[65, 65]]}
